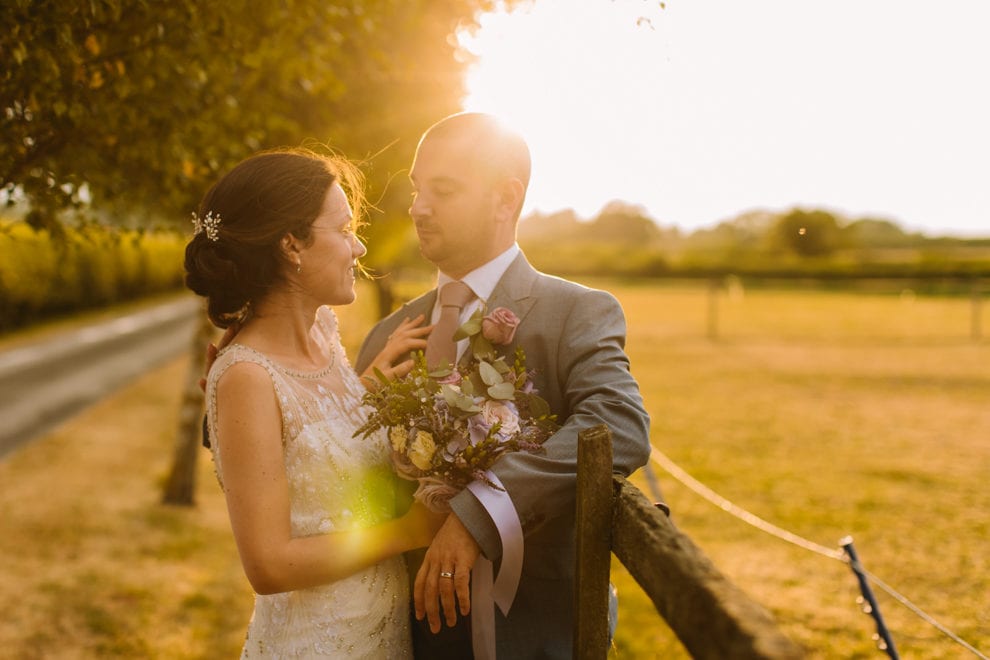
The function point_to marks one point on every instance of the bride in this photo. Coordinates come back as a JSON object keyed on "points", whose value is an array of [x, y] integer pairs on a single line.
{"points": [[312, 508]]}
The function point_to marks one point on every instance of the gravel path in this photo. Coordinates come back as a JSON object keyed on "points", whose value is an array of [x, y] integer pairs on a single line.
{"points": [[43, 384]]}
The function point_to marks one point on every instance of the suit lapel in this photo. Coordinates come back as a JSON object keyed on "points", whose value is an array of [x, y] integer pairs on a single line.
{"points": [[422, 305], [514, 289]]}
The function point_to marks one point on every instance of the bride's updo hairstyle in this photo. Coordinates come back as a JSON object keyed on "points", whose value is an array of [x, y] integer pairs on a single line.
{"points": [[235, 257]]}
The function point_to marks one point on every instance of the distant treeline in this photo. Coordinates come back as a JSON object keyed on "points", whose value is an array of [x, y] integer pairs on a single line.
{"points": [[84, 267], [799, 243]]}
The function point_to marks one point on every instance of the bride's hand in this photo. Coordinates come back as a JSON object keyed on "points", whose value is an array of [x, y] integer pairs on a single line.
{"points": [[423, 524], [408, 336]]}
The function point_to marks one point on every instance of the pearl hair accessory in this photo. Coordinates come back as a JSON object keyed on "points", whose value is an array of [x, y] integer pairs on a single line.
{"points": [[210, 224]]}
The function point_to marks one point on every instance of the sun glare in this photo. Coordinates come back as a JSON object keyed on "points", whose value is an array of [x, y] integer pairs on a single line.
{"points": [[562, 73], [702, 111]]}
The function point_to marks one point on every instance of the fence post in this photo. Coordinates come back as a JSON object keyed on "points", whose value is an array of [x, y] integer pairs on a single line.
{"points": [[975, 331], [593, 523], [714, 287]]}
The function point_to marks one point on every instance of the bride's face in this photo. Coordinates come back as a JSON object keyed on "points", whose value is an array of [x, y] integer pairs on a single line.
{"points": [[328, 262]]}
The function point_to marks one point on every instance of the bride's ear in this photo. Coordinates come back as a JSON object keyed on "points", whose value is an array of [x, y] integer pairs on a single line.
{"points": [[291, 248]]}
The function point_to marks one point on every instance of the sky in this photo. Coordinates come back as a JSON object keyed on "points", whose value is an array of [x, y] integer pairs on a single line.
{"points": [[701, 110]]}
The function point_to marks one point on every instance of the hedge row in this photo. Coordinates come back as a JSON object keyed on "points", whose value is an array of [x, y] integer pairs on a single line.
{"points": [[41, 276]]}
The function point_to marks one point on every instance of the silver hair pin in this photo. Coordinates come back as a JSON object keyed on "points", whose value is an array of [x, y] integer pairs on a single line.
{"points": [[210, 224]]}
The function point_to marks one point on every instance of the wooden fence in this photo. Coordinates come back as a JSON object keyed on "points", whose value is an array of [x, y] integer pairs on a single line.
{"points": [[977, 290], [711, 616]]}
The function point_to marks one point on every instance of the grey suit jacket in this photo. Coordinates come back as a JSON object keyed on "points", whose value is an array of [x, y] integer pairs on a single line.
{"points": [[574, 338]]}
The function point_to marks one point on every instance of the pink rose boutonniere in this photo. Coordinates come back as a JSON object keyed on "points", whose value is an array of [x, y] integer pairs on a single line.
{"points": [[448, 426], [499, 327]]}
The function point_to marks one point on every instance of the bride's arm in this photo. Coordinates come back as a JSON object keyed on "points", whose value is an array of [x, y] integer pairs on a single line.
{"points": [[253, 472]]}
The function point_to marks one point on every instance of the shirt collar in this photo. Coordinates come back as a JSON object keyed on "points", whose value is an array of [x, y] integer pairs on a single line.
{"points": [[483, 279]]}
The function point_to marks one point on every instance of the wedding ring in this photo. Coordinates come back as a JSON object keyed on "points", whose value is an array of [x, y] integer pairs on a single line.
{"points": [[447, 574]]}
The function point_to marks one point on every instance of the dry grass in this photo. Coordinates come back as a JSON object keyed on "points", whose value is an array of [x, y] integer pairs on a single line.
{"points": [[93, 565], [827, 414]]}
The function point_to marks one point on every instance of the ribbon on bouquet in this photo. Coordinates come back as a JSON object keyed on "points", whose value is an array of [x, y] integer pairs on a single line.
{"points": [[487, 592]]}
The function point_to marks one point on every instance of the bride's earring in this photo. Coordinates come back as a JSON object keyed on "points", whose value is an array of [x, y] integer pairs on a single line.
{"points": [[299, 266]]}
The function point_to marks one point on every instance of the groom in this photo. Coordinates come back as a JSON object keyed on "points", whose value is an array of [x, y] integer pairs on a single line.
{"points": [[470, 176]]}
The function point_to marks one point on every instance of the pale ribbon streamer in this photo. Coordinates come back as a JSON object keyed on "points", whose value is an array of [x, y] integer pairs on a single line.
{"points": [[486, 593]]}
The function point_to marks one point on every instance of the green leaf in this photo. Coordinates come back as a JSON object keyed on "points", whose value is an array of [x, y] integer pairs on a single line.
{"points": [[489, 375], [537, 406], [469, 328], [482, 348], [442, 371], [503, 391], [458, 401]]}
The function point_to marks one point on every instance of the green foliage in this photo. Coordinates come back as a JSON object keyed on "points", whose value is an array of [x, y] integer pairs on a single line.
{"points": [[139, 104], [87, 267], [622, 241], [807, 233]]}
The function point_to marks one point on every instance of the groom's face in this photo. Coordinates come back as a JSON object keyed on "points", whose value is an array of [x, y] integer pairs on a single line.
{"points": [[453, 206]]}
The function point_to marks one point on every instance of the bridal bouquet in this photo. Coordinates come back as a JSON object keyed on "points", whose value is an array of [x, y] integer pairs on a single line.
{"points": [[448, 426]]}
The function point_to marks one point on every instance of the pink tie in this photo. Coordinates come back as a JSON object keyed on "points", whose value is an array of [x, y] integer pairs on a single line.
{"points": [[440, 346]]}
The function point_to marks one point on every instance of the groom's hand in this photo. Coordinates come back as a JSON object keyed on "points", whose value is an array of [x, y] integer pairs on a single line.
{"points": [[454, 551]]}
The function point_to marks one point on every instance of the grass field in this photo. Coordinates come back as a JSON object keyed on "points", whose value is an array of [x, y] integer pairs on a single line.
{"points": [[825, 413]]}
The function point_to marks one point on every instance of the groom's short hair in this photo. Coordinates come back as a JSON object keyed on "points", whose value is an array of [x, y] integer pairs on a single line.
{"points": [[497, 145]]}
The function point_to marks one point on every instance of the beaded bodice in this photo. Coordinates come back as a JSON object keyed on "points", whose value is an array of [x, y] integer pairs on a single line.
{"points": [[336, 482]]}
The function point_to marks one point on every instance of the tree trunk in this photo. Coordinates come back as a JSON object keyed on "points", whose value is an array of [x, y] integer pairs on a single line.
{"points": [[181, 484], [386, 294]]}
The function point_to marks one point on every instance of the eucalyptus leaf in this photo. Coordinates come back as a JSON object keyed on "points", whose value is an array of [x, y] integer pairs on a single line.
{"points": [[489, 374], [442, 371], [469, 328], [503, 391], [537, 406], [459, 401], [482, 348]]}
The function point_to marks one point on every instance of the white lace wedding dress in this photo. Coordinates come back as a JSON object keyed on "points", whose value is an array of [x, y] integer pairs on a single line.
{"points": [[336, 482]]}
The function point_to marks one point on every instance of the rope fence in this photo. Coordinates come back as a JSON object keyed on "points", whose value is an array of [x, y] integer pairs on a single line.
{"points": [[848, 557]]}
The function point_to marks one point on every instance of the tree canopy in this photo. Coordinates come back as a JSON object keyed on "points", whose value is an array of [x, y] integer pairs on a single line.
{"points": [[136, 106]]}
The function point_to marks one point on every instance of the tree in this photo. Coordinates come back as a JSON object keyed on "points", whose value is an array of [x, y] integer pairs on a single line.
{"points": [[876, 233], [808, 233], [137, 105], [133, 107], [621, 222]]}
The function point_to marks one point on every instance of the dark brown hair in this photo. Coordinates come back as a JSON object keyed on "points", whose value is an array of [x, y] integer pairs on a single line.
{"points": [[260, 200]]}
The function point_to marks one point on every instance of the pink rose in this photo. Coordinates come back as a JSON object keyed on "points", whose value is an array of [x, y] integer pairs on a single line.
{"points": [[435, 494], [453, 378], [499, 327]]}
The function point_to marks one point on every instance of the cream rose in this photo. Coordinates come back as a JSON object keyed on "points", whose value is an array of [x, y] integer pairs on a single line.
{"points": [[422, 449], [398, 436], [505, 415]]}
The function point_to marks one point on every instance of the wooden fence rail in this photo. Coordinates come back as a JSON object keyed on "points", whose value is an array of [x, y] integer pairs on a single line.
{"points": [[711, 616]]}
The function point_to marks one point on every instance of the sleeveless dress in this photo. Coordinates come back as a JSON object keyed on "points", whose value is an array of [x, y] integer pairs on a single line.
{"points": [[336, 482]]}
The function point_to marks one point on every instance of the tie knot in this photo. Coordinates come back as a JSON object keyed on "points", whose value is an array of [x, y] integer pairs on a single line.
{"points": [[455, 294]]}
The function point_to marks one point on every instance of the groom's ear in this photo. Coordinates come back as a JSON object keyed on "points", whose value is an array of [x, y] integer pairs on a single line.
{"points": [[509, 194]]}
